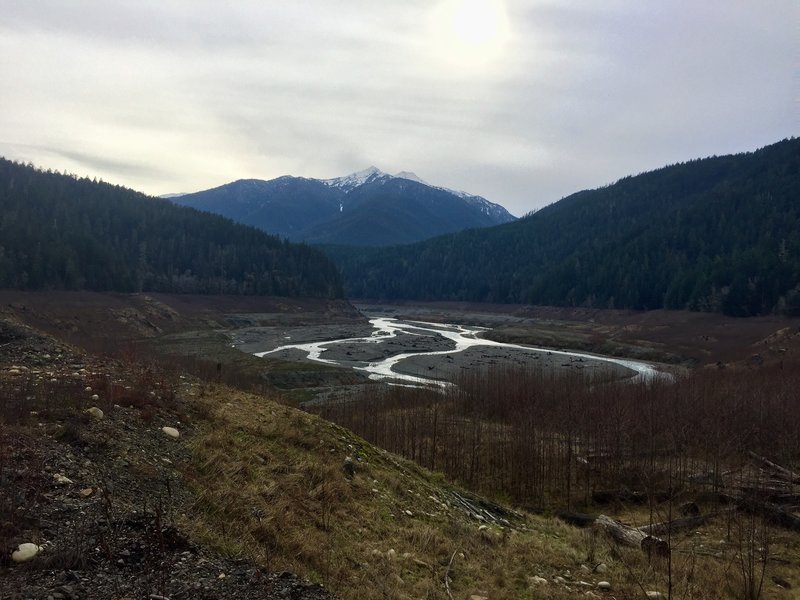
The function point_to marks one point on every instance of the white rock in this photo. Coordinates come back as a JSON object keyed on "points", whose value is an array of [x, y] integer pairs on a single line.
{"points": [[25, 552], [95, 397], [559, 579], [171, 432], [87, 389], [61, 479], [95, 412], [391, 554], [654, 595], [538, 580], [604, 585], [601, 568]]}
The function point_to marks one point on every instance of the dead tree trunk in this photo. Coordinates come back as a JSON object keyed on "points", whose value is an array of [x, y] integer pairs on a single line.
{"points": [[780, 471], [630, 536]]}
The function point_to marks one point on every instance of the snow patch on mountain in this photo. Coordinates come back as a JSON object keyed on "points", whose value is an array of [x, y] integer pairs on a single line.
{"points": [[357, 179]]}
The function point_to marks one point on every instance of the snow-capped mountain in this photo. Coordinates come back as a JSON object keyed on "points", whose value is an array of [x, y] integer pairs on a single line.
{"points": [[366, 208]]}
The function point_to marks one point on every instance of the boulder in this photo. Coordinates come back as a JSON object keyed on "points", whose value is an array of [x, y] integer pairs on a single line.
{"points": [[95, 413], [25, 552], [171, 432]]}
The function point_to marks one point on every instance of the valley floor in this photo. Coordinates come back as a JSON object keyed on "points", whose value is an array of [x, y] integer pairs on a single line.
{"points": [[254, 491]]}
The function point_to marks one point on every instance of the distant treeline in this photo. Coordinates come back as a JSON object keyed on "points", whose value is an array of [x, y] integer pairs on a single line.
{"points": [[720, 234], [61, 232]]}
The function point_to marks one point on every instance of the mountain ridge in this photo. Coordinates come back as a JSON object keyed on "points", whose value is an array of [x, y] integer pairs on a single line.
{"points": [[350, 209]]}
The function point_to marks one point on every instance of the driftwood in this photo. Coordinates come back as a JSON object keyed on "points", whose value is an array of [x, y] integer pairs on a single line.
{"points": [[580, 520], [633, 537], [680, 524], [778, 470], [771, 512]]}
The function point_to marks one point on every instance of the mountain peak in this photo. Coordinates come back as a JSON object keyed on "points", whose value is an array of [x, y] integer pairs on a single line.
{"points": [[354, 180]]}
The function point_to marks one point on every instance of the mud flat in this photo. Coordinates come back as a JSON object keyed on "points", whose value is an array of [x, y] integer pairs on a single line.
{"points": [[450, 366]]}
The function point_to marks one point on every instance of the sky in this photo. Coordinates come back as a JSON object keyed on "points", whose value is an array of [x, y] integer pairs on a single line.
{"points": [[520, 101]]}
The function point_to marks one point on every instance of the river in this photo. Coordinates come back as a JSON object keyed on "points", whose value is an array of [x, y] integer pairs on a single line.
{"points": [[457, 339]]}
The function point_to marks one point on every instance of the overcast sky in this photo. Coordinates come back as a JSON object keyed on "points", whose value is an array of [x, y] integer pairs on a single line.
{"points": [[520, 101]]}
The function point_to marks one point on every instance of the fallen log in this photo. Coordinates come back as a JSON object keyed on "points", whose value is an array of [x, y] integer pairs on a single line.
{"points": [[680, 524], [633, 537], [771, 512], [783, 472], [580, 520]]}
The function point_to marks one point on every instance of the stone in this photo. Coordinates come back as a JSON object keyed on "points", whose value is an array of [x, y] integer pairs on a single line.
{"points": [[95, 413], [60, 479], [95, 397], [538, 580], [559, 579], [171, 432], [391, 554], [85, 493], [601, 568], [25, 552], [604, 585], [653, 595], [478, 597]]}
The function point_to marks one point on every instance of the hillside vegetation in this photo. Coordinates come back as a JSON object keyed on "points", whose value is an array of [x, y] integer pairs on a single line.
{"points": [[62, 232], [720, 234]]}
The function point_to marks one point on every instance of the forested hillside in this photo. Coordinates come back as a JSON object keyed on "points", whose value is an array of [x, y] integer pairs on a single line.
{"points": [[61, 232], [718, 234]]}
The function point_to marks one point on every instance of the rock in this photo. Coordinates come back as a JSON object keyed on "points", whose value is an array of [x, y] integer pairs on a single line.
{"points": [[391, 554], [95, 397], [654, 595], [85, 493], [25, 552], [88, 388], [601, 568], [95, 412], [559, 579], [536, 580], [409, 513], [604, 585], [585, 569], [171, 432], [60, 479], [478, 597]]}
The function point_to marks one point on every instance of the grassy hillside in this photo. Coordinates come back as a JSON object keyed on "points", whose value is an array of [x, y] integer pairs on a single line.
{"points": [[720, 234]]}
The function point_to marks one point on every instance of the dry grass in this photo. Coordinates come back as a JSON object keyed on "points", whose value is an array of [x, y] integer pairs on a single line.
{"points": [[272, 483]]}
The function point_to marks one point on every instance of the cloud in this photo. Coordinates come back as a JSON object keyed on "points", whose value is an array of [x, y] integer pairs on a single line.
{"points": [[183, 95]]}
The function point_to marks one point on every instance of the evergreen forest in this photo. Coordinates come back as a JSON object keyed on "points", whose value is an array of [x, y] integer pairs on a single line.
{"points": [[59, 231], [719, 234]]}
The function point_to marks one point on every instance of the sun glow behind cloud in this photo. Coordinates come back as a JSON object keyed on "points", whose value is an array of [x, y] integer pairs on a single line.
{"points": [[470, 34]]}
